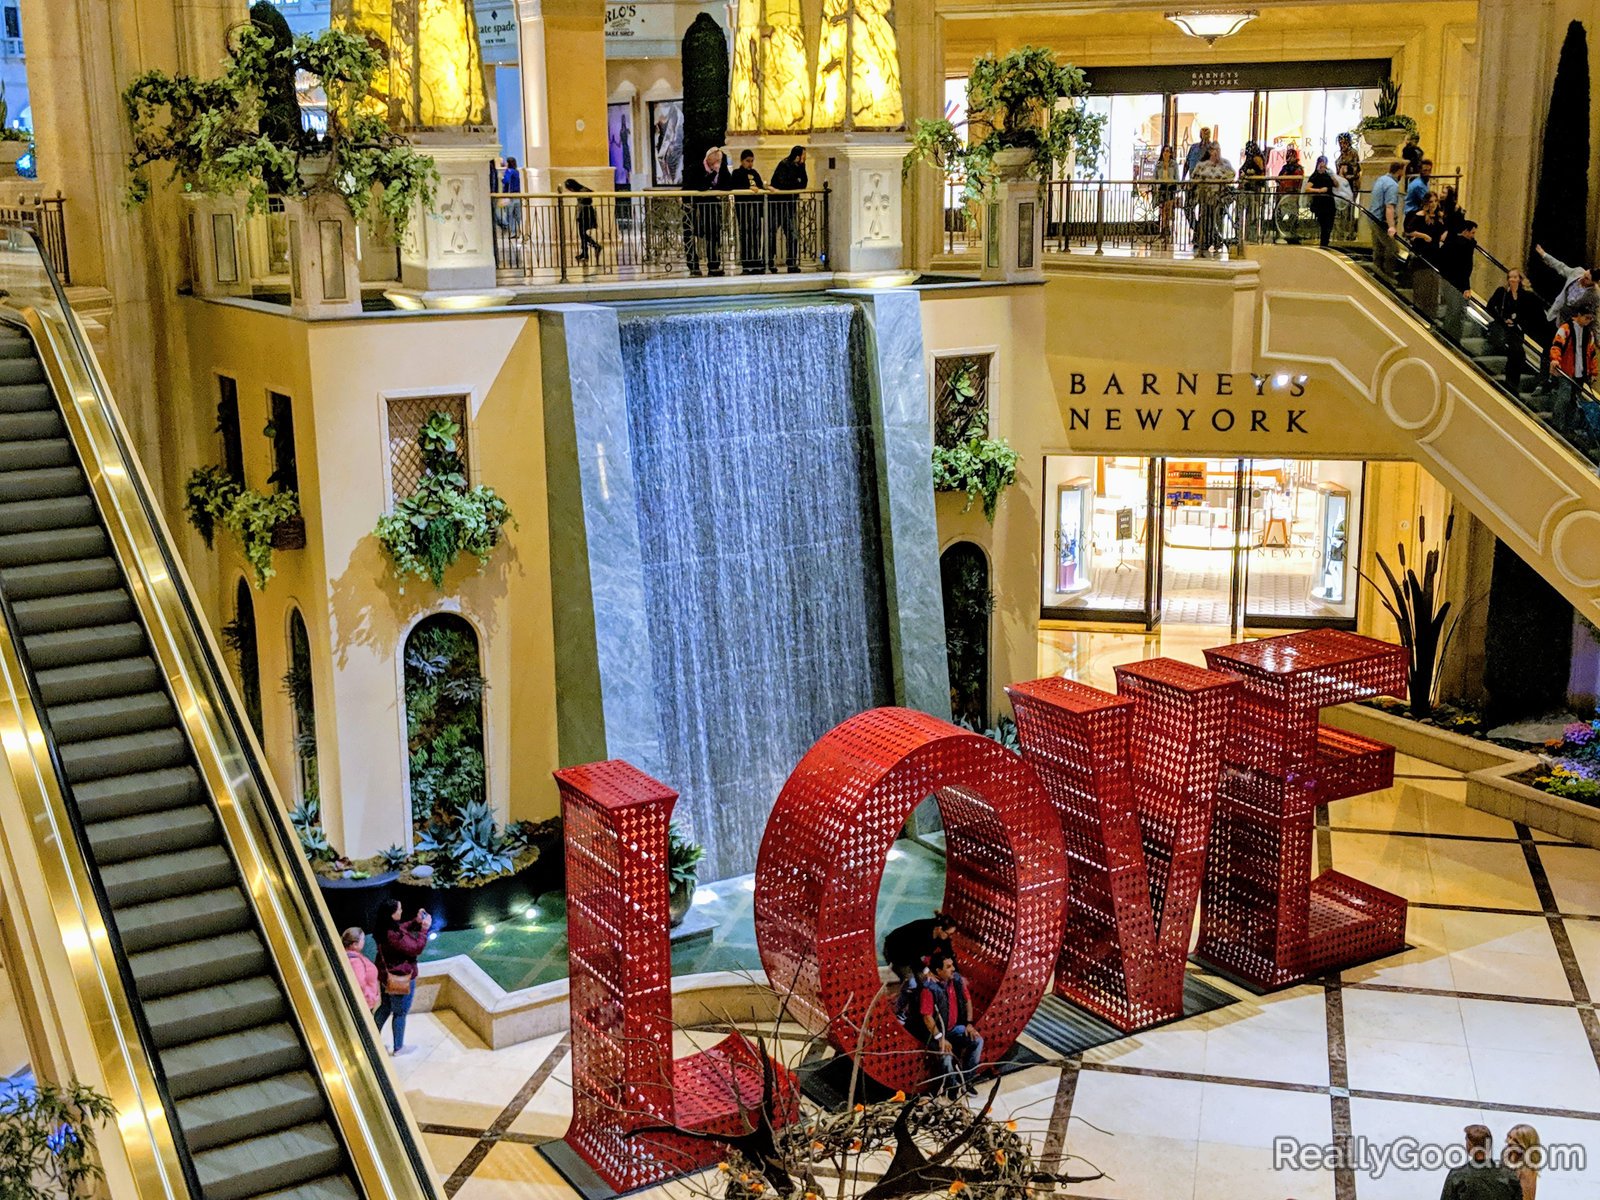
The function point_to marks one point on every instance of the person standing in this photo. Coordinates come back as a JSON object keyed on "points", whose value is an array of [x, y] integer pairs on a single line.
{"points": [[1320, 187], [749, 213], [588, 222], [400, 942], [355, 942], [1572, 363], [1480, 1177], [1384, 209], [1252, 189], [1456, 259], [1166, 193], [714, 180], [1211, 179], [1291, 178], [788, 177], [1197, 151], [1411, 154], [954, 1043], [1577, 287], [1506, 332], [1420, 188], [1524, 1155]]}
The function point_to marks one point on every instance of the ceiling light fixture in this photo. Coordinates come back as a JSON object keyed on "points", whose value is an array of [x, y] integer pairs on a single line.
{"points": [[1212, 24]]}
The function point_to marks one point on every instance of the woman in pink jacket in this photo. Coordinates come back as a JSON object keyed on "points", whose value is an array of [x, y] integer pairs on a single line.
{"points": [[355, 941], [399, 944]]}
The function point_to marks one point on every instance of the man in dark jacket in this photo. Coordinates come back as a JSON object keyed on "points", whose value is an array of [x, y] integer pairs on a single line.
{"points": [[787, 176], [1455, 261], [1481, 1178], [749, 213]]}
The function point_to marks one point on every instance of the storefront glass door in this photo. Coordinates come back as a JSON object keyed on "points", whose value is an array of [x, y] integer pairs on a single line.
{"points": [[1229, 115]]}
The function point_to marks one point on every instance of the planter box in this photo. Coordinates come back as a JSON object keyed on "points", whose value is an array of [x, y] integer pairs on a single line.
{"points": [[324, 279], [354, 901], [219, 252], [495, 902], [289, 534], [1454, 750]]}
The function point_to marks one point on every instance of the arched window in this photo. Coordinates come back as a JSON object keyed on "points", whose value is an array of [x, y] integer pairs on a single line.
{"points": [[964, 580], [302, 699], [444, 687], [239, 636]]}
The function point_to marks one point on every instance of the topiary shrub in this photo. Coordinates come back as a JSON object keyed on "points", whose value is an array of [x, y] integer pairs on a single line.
{"points": [[705, 91]]}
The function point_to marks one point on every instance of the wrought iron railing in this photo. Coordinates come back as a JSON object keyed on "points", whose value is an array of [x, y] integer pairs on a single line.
{"points": [[590, 236], [45, 218]]}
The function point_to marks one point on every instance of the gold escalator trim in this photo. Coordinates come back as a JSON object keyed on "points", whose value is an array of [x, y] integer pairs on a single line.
{"points": [[381, 1137], [144, 1128]]}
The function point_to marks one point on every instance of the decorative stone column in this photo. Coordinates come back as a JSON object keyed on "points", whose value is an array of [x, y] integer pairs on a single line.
{"points": [[447, 255], [862, 171], [1013, 222], [219, 251], [535, 101], [324, 280]]}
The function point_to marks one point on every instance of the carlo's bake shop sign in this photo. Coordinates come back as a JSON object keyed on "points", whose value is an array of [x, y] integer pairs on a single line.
{"points": [[639, 22]]}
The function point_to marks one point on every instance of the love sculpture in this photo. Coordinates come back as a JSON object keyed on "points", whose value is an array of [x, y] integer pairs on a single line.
{"points": [[1086, 856]]}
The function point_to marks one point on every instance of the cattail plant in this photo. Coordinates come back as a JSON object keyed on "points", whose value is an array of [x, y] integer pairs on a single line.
{"points": [[1415, 604]]}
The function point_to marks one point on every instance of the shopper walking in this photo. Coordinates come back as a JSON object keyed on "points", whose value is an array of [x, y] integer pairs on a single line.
{"points": [[1573, 366], [355, 943], [749, 214], [1211, 179], [400, 942], [1320, 187], [788, 177], [1384, 209], [588, 222], [1506, 330]]}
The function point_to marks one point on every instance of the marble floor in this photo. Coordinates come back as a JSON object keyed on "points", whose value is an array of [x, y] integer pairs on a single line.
{"points": [[1488, 1017]]}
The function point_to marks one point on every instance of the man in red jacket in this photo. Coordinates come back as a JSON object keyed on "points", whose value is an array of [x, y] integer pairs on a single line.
{"points": [[1572, 364]]}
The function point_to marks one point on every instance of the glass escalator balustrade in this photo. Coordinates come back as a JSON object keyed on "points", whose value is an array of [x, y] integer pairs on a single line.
{"points": [[1569, 410], [234, 1012]]}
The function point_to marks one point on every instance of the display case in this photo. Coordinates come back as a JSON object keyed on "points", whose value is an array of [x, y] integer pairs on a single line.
{"points": [[1074, 549], [1333, 565]]}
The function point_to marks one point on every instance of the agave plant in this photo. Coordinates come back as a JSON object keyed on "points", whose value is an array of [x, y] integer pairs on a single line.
{"points": [[1425, 625], [394, 858]]}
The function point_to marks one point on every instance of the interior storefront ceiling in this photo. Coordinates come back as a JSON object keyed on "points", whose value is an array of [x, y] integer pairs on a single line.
{"points": [[1073, 8]]}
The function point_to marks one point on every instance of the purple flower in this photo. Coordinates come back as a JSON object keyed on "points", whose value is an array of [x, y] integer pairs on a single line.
{"points": [[1580, 733]]}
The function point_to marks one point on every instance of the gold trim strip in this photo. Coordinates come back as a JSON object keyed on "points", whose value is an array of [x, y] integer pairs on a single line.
{"points": [[341, 1051]]}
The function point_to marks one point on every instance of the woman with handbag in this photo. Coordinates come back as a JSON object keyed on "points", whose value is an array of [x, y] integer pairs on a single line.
{"points": [[399, 943]]}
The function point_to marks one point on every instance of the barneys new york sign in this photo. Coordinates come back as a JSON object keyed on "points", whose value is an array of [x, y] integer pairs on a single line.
{"points": [[1180, 402]]}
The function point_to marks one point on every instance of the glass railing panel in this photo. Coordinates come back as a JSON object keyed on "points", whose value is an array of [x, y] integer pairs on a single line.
{"points": [[381, 1140]]}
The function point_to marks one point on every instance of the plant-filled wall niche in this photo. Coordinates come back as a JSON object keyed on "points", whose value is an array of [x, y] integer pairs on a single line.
{"points": [[259, 522], [239, 637], [965, 458], [968, 602], [444, 516], [297, 686]]}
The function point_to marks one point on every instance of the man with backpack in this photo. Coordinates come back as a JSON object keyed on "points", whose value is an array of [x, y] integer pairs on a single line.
{"points": [[954, 1044]]}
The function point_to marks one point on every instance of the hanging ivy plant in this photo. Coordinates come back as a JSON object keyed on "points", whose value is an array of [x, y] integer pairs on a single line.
{"points": [[982, 467], [212, 498], [443, 518]]}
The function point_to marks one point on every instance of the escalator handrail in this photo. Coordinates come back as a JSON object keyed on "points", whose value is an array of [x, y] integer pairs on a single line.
{"points": [[80, 835], [226, 708], [1586, 393]]}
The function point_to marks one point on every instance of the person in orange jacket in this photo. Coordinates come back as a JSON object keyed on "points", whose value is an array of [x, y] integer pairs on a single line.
{"points": [[1573, 363]]}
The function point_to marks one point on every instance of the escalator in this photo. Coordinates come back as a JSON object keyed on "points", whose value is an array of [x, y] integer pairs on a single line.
{"points": [[1400, 336], [262, 1059]]}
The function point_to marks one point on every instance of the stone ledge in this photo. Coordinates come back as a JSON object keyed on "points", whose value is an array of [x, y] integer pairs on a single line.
{"points": [[503, 1018], [1488, 769]]}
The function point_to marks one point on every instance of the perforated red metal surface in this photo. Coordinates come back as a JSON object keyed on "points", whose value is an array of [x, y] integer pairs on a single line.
{"points": [[822, 858], [1263, 918], [1133, 778], [623, 1074]]}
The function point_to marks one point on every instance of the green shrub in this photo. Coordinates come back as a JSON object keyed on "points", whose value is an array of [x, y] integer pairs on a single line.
{"points": [[982, 467]]}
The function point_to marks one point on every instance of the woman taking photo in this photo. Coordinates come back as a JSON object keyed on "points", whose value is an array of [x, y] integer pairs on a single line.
{"points": [[399, 943]]}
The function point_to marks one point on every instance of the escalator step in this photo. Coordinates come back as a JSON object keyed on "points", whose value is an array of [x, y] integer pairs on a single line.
{"points": [[233, 1058], [147, 751], [107, 716], [148, 834], [233, 1113], [182, 919], [53, 614], [70, 647], [189, 965], [59, 578], [26, 397], [22, 369], [330, 1187], [164, 875], [141, 791], [14, 345], [24, 456], [212, 1011], [40, 482], [52, 545], [290, 1156], [49, 512], [30, 426], [97, 681]]}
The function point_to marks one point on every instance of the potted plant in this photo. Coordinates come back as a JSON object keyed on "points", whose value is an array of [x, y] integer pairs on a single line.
{"points": [[47, 1142], [261, 523], [226, 137], [444, 517], [1016, 123], [1386, 129], [683, 862], [982, 467], [13, 142]]}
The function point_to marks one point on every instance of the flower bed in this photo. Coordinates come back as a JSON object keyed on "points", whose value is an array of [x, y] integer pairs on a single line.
{"points": [[1570, 765], [1449, 717]]}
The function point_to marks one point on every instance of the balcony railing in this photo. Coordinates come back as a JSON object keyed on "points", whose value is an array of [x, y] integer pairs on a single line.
{"points": [[44, 217], [594, 236]]}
